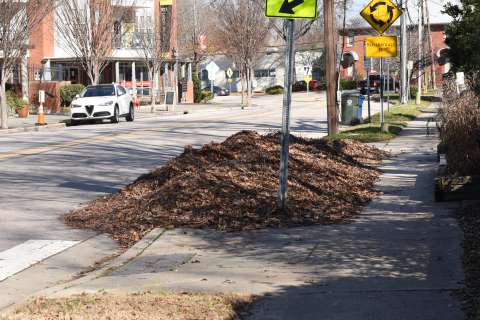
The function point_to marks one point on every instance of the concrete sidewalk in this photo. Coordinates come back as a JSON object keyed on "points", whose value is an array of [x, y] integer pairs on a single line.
{"points": [[400, 259]]}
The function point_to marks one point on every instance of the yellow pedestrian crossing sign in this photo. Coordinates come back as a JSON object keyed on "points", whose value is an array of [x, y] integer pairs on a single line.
{"points": [[291, 9], [381, 14]]}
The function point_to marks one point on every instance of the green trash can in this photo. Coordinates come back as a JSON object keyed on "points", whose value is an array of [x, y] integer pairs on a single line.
{"points": [[349, 106]]}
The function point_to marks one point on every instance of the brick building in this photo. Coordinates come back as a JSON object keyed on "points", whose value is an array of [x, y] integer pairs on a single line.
{"points": [[49, 66], [354, 53]]}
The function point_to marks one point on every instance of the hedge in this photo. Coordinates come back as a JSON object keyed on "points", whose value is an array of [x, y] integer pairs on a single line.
{"points": [[68, 93]]}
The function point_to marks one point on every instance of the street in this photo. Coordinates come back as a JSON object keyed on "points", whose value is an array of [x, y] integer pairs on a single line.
{"points": [[46, 174]]}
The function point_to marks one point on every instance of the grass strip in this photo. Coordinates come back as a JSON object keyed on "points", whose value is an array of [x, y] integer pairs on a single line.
{"points": [[397, 119]]}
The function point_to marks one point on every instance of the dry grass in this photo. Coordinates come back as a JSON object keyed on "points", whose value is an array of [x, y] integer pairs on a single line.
{"points": [[460, 130], [142, 306]]}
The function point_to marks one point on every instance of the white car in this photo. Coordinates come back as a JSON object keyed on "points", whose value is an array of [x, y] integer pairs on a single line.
{"points": [[104, 101]]}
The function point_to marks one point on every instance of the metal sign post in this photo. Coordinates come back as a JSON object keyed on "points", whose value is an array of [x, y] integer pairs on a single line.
{"points": [[381, 14], [367, 63], [287, 100], [296, 9], [383, 127]]}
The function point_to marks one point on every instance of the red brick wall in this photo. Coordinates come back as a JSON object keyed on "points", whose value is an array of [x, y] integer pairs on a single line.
{"points": [[438, 43], [52, 94], [42, 41]]}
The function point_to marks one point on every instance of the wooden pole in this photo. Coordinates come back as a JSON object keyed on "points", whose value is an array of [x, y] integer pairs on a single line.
{"points": [[330, 49]]}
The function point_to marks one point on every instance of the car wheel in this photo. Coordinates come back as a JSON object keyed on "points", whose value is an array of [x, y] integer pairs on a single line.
{"points": [[131, 114], [115, 118]]}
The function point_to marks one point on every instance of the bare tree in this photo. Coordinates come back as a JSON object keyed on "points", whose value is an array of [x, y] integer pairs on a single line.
{"points": [[242, 30], [17, 20], [152, 49], [86, 29], [195, 21]]}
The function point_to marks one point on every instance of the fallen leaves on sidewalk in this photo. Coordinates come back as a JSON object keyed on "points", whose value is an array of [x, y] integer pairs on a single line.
{"points": [[143, 306], [469, 220], [233, 186]]}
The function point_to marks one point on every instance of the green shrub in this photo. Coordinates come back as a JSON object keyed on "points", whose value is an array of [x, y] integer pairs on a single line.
{"points": [[68, 93], [206, 96], [348, 84], [197, 88], [413, 92], [9, 87], [274, 90], [13, 100], [321, 85]]}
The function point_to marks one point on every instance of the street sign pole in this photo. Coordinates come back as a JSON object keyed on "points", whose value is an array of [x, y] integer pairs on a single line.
{"points": [[388, 85], [368, 93], [287, 99], [382, 83], [289, 10]]}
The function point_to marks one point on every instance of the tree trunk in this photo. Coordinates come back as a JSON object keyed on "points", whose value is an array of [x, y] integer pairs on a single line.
{"points": [[249, 87], [151, 74], [3, 105], [242, 81]]}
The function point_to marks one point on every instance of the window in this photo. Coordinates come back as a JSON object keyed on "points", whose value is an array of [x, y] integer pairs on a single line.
{"points": [[99, 91], [265, 73], [204, 75], [121, 91], [349, 41]]}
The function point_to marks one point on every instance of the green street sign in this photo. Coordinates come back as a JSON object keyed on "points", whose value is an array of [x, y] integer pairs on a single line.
{"points": [[291, 9]]}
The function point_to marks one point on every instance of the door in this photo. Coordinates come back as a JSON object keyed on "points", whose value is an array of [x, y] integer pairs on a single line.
{"points": [[123, 100]]}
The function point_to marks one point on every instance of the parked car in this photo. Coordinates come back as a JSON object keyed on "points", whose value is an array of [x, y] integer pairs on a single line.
{"points": [[218, 91], [104, 101], [375, 82], [302, 86]]}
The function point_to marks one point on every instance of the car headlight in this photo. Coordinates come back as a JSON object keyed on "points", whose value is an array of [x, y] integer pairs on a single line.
{"points": [[75, 106], [107, 103]]}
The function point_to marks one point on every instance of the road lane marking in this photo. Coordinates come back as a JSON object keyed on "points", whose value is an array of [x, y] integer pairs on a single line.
{"points": [[21, 257], [101, 138]]}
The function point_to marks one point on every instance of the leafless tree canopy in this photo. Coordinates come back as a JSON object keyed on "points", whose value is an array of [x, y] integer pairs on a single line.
{"points": [[242, 30], [152, 49], [17, 20], [196, 21], [85, 29]]}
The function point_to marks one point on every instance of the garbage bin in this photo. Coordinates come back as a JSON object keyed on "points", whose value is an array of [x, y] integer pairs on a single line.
{"points": [[349, 106]]}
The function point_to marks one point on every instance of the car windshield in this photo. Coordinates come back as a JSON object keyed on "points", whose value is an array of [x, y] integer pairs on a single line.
{"points": [[98, 91]]}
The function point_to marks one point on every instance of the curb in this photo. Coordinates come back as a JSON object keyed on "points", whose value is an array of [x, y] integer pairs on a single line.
{"points": [[35, 128], [110, 267]]}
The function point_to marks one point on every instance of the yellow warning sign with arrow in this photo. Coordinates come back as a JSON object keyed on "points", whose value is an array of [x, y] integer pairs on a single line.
{"points": [[291, 9], [381, 14]]}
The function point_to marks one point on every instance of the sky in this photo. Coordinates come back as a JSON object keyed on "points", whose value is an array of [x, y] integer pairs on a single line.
{"points": [[435, 7]]}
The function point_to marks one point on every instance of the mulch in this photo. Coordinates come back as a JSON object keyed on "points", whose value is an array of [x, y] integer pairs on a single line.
{"points": [[233, 186]]}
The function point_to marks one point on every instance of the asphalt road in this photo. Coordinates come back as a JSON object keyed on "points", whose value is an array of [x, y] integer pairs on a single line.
{"points": [[46, 174]]}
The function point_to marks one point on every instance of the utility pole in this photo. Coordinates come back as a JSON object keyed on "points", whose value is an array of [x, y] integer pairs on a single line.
{"points": [[420, 53], [330, 48], [403, 55], [433, 77]]}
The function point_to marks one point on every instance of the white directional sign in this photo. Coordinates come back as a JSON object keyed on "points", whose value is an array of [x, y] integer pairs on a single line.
{"points": [[212, 69], [308, 70]]}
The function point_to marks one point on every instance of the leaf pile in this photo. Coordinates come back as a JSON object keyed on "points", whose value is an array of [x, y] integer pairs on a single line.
{"points": [[233, 186]]}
